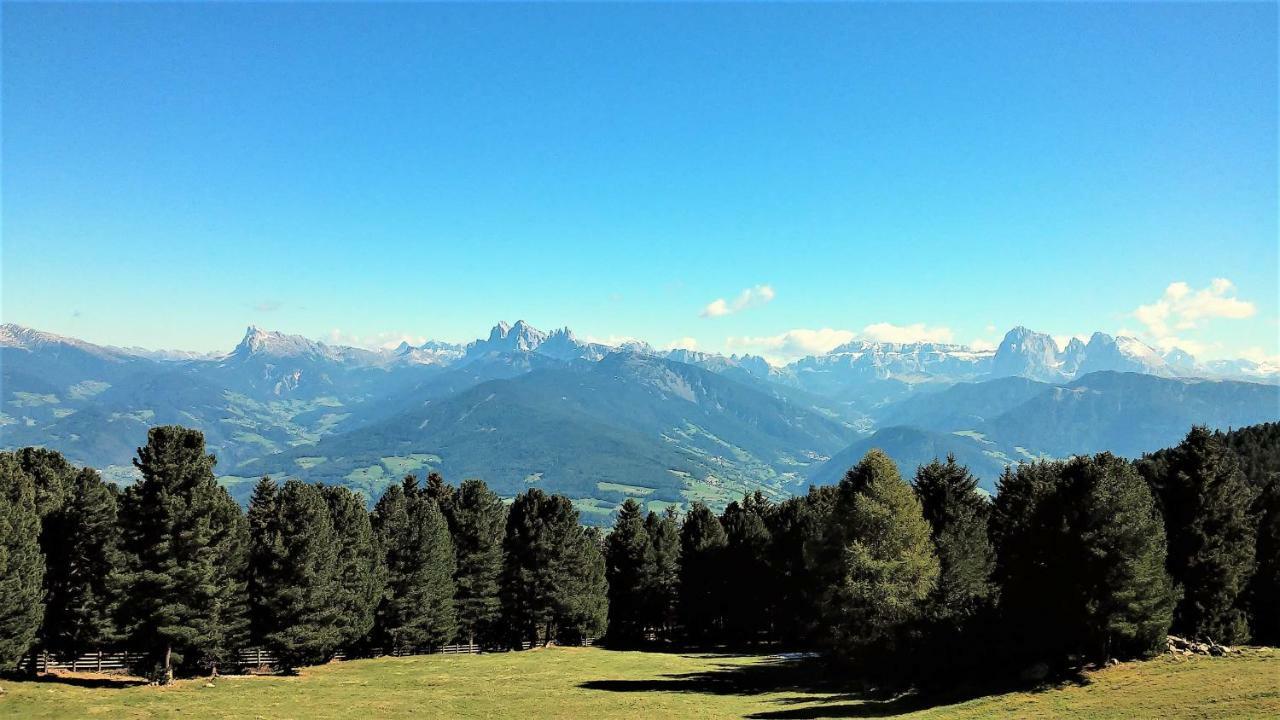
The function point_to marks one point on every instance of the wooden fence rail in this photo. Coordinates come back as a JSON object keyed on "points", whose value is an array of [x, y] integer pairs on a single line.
{"points": [[104, 661]]}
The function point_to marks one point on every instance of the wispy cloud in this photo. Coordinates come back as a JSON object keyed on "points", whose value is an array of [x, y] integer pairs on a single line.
{"points": [[266, 306], [791, 344], [1181, 310], [684, 343], [374, 341], [916, 332], [748, 298]]}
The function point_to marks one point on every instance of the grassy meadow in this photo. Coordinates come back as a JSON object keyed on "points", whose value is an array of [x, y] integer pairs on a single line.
{"points": [[597, 683]]}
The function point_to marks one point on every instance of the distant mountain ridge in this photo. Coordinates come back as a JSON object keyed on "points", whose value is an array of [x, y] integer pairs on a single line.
{"points": [[603, 422]]}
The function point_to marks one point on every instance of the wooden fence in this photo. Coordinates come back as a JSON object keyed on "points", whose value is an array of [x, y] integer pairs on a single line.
{"points": [[108, 661]]}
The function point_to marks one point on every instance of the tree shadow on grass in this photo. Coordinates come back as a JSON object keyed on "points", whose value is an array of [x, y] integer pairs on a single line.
{"points": [[93, 682], [821, 692]]}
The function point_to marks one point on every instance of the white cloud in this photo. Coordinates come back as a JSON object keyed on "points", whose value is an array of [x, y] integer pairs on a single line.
{"points": [[791, 344], [1261, 356], [1181, 308], [684, 343], [380, 340], [917, 332], [748, 298], [982, 344], [1064, 340]]}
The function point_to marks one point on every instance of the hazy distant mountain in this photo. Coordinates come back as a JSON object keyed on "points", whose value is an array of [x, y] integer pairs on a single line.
{"points": [[599, 422]]}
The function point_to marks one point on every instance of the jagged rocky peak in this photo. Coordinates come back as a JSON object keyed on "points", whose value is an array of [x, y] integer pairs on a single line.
{"points": [[1072, 355], [1027, 353]]}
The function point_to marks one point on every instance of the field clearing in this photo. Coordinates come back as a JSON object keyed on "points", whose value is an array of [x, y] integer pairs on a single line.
{"points": [[597, 683]]}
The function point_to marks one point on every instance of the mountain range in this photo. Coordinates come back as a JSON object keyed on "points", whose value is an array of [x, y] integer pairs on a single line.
{"points": [[600, 423]]}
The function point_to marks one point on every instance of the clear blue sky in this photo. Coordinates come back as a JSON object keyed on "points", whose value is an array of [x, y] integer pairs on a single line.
{"points": [[173, 173]]}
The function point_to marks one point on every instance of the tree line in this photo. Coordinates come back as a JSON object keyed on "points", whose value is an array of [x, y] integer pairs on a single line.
{"points": [[1072, 561], [171, 566]]}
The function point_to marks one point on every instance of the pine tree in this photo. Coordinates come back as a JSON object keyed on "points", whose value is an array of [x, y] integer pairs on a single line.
{"points": [[266, 549], [796, 527], [478, 521], [630, 561], [185, 555], [747, 574], [582, 607], [359, 577], [301, 597], [1207, 512], [1265, 589], [880, 561], [417, 605], [549, 586], [702, 585], [52, 475], [21, 563], [80, 541], [1115, 522], [1025, 541], [957, 515], [664, 587]]}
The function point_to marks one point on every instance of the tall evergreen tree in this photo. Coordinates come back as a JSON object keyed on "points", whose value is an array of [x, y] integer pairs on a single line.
{"points": [[417, 605], [1114, 520], [52, 475], [21, 563], [747, 572], [266, 550], [796, 527], [879, 559], [185, 555], [359, 577], [630, 561], [1207, 512], [702, 586], [80, 541], [664, 586], [301, 597], [549, 580], [478, 521], [957, 515], [1265, 589]]}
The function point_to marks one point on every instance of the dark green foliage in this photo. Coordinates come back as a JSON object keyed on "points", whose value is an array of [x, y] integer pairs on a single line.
{"points": [[21, 564], [80, 541], [265, 551], [1265, 590], [417, 605], [1207, 505], [664, 586], [629, 558], [299, 592], [582, 610], [477, 519], [957, 515], [553, 578], [878, 561], [702, 595], [185, 555], [746, 571], [1080, 561], [358, 583], [796, 527], [52, 475]]}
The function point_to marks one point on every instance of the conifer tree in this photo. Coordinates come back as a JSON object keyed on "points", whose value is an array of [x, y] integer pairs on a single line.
{"points": [[664, 586], [51, 473], [301, 594], [1114, 521], [22, 566], [549, 582], [796, 527], [266, 549], [702, 585], [879, 559], [80, 541], [1265, 589], [746, 570], [478, 521], [1207, 513], [359, 577], [630, 561], [957, 515], [417, 605], [185, 555]]}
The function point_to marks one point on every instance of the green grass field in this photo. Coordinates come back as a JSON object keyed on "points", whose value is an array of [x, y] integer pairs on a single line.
{"points": [[596, 683]]}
